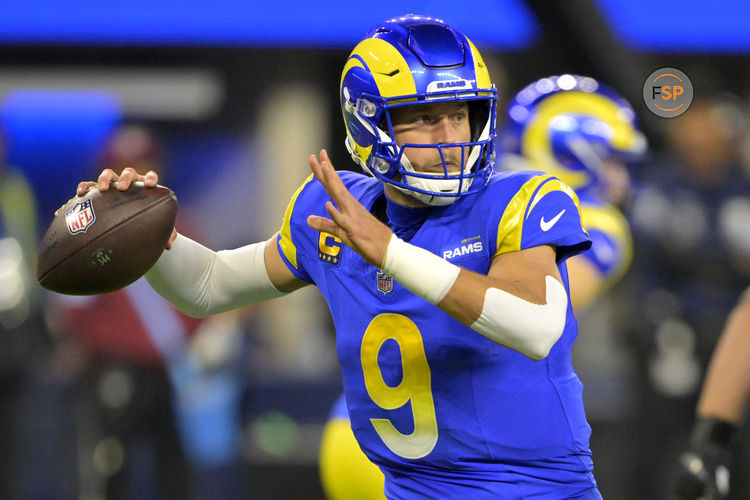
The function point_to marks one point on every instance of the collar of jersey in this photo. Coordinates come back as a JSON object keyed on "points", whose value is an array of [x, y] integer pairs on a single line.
{"points": [[405, 221]]}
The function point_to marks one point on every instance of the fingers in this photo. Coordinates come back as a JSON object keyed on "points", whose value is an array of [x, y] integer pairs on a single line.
{"points": [[127, 176], [125, 179], [336, 216], [323, 225], [324, 172], [344, 205], [327, 176], [317, 168], [324, 156], [105, 178], [60, 209], [171, 239], [151, 179], [84, 187]]}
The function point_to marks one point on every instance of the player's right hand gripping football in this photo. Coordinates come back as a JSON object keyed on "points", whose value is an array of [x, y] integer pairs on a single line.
{"points": [[704, 469], [122, 182]]}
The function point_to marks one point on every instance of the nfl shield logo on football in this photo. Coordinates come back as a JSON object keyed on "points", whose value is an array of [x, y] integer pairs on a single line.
{"points": [[385, 283], [80, 217]]}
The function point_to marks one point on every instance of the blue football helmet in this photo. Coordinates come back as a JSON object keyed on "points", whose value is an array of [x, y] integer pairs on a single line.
{"points": [[568, 126], [416, 60]]}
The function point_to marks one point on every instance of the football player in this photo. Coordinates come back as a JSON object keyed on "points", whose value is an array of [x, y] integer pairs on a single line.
{"points": [[585, 134], [704, 468], [446, 281]]}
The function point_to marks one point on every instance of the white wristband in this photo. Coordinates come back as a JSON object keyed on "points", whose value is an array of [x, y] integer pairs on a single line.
{"points": [[419, 270]]}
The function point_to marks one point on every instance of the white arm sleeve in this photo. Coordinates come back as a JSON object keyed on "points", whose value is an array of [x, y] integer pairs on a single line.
{"points": [[201, 282], [531, 329]]}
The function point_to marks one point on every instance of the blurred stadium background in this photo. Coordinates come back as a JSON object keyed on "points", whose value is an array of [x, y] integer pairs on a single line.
{"points": [[237, 94]]}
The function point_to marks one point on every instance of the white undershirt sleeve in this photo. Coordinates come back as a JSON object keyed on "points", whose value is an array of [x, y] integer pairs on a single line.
{"points": [[201, 282]]}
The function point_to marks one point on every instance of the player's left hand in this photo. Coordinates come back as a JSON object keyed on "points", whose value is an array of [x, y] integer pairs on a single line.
{"points": [[350, 221]]}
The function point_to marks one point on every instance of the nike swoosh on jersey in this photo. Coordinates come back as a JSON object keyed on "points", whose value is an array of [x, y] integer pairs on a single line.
{"points": [[547, 225]]}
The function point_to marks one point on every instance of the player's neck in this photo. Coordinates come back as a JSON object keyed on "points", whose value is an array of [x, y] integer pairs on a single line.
{"points": [[405, 220]]}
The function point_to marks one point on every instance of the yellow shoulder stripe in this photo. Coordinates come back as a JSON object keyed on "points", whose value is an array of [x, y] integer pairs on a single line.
{"points": [[286, 243], [511, 224], [510, 229]]}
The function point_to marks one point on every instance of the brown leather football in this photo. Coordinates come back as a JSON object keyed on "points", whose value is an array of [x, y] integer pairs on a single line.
{"points": [[105, 240]]}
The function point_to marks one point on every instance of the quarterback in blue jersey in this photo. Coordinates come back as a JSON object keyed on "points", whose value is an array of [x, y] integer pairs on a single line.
{"points": [[446, 281], [585, 134]]}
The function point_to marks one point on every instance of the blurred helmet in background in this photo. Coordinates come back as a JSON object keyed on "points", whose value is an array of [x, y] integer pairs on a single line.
{"points": [[573, 127]]}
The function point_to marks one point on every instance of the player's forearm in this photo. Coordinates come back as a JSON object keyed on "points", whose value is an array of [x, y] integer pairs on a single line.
{"points": [[201, 282], [586, 282], [726, 390], [527, 327]]}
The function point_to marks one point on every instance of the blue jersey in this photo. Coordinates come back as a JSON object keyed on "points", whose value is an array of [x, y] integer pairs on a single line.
{"points": [[612, 245], [444, 411]]}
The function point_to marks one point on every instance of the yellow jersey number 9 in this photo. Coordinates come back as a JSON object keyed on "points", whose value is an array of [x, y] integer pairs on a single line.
{"points": [[415, 385]]}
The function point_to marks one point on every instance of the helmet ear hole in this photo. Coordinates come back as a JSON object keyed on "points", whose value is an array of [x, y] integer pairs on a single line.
{"points": [[479, 112], [383, 123]]}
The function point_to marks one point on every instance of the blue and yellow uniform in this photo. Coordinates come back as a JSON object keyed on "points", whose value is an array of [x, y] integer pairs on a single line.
{"points": [[442, 410], [611, 242]]}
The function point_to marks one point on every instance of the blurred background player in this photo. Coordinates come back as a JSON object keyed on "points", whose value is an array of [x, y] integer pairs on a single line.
{"points": [[690, 218], [159, 392], [584, 133], [24, 339], [704, 470], [345, 471]]}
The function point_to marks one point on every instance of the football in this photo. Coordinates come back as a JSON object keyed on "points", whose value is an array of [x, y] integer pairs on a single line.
{"points": [[105, 240]]}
